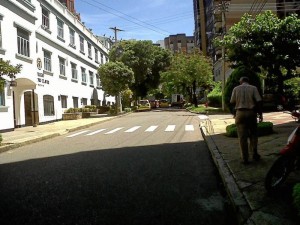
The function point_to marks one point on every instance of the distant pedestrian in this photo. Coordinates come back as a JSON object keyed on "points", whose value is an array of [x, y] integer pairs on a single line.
{"points": [[247, 102]]}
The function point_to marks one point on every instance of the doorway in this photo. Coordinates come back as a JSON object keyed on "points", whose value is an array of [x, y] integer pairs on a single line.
{"points": [[30, 107]]}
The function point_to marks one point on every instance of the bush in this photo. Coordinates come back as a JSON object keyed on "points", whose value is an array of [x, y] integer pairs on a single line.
{"points": [[127, 109], [92, 108], [103, 109], [215, 96], [72, 110], [296, 197], [263, 128], [234, 80], [1, 138]]}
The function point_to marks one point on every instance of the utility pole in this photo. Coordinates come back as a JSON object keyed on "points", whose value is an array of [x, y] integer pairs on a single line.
{"points": [[223, 8], [118, 99]]}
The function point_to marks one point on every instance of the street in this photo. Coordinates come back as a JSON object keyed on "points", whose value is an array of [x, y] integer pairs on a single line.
{"points": [[143, 168]]}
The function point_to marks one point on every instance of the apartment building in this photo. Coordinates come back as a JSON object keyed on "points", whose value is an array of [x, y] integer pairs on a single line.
{"points": [[59, 56], [179, 43]]}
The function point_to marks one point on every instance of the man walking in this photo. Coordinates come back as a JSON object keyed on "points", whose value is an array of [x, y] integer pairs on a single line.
{"points": [[247, 102]]}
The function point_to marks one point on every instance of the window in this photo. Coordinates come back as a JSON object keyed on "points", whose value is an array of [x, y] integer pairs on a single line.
{"points": [[72, 37], [96, 55], [47, 61], [83, 75], [84, 101], [102, 58], [2, 96], [62, 66], [23, 42], [81, 39], [48, 105], [98, 80], [90, 50], [45, 19], [60, 29], [74, 71], [0, 33], [91, 75], [75, 102], [63, 100]]}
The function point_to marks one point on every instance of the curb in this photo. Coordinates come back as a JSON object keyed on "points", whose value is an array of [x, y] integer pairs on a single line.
{"points": [[240, 205]]}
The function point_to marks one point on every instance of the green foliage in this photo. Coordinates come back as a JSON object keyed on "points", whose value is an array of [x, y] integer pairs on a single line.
{"points": [[215, 96], [296, 197], [103, 109], [115, 77], [1, 138], [265, 42], [263, 128], [91, 108], [145, 60], [7, 69], [234, 80], [72, 110]]}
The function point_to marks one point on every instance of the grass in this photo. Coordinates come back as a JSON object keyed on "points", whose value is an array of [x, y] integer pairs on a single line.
{"points": [[202, 109]]}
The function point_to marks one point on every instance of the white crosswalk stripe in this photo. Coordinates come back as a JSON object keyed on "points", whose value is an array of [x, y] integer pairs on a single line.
{"points": [[151, 129], [170, 128], [189, 128], [114, 130], [95, 132], [76, 134], [132, 129]]}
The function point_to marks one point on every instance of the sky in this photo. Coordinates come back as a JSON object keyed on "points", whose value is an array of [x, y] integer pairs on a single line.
{"points": [[139, 19]]}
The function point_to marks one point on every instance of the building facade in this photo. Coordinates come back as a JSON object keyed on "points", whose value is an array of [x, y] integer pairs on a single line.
{"points": [[179, 43], [59, 56]]}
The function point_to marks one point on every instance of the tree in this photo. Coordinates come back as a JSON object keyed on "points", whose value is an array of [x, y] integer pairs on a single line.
{"points": [[186, 73], [6, 69], [115, 78], [145, 60], [267, 43]]}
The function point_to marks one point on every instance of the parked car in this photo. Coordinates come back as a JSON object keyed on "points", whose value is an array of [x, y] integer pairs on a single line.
{"points": [[144, 105], [164, 103], [154, 104]]}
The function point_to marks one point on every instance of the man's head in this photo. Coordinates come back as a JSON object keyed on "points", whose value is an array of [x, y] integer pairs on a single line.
{"points": [[244, 79]]}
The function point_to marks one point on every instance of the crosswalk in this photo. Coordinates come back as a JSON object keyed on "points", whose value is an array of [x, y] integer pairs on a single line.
{"points": [[153, 128]]}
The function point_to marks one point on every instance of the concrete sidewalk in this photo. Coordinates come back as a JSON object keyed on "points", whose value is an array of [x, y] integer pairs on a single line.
{"points": [[26, 135], [245, 183]]}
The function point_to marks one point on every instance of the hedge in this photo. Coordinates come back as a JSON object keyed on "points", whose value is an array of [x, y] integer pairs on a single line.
{"points": [[263, 128], [296, 197]]}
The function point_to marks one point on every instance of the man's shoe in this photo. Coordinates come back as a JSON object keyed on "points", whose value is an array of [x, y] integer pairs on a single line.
{"points": [[256, 157]]}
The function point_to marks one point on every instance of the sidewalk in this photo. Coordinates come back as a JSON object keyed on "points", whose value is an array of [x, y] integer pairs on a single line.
{"points": [[245, 184], [25, 135]]}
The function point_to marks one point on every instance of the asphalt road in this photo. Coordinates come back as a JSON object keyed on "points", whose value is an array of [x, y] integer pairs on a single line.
{"points": [[144, 168]]}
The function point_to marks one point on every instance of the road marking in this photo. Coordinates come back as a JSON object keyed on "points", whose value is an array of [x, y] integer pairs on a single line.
{"points": [[132, 129], [151, 129], [95, 132], [170, 128], [114, 130], [189, 128], [81, 132]]}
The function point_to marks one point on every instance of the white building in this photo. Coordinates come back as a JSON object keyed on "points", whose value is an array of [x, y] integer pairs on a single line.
{"points": [[60, 58]]}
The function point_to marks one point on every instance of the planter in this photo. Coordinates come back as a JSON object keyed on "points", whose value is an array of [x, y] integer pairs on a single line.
{"points": [[88, 114], [71, 116]]}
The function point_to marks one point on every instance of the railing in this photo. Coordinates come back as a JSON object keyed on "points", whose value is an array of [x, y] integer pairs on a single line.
{"points": [[23, 46]]}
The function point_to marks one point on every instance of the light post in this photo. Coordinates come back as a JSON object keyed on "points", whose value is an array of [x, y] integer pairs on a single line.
{"points": [[118, 98]]}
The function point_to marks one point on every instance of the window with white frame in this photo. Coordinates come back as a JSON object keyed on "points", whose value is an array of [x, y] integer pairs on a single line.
{"points": [[83, 75], [81, 40], [60, 29], [0, 33], [48, 101], [72, 37], [96, 55], [75, 102], [62, 66], [89, 50], [47, 60], [64, 102], [84, 101], [45, 18], [2, 96], [91, 75], [74, 71], [102, 58], [23, 42], [98, 80]]}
